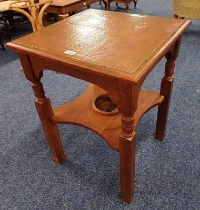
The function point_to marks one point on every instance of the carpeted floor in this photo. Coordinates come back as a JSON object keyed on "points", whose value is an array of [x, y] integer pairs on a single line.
{"points": [[167, 174]]}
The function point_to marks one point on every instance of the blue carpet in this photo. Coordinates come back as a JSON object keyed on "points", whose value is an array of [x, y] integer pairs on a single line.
{"points": [[167, 174]]}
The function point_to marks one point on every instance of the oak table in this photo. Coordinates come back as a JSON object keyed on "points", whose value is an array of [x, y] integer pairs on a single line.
{"points": [[114, 52]]}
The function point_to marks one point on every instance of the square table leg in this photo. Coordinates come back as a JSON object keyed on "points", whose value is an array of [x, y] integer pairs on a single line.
{"points": [[127, 147], [45, 112]]}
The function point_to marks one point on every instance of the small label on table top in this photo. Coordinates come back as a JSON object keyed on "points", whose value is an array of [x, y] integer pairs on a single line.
{"points": [[70, 52]]}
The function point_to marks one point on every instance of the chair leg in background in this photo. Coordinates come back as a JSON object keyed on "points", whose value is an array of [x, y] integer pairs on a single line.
{"points": [[2, 45]]}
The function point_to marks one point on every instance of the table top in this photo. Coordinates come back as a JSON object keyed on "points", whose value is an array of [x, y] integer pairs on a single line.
{"points": [[115, 44], [61, 3]]}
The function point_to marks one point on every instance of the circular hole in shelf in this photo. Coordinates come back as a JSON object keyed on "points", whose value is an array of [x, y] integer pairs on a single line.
{"points": [[104, 105]]}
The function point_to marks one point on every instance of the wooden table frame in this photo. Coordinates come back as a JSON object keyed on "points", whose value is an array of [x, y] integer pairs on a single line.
{"points": [[118, 130], [127, 101]]}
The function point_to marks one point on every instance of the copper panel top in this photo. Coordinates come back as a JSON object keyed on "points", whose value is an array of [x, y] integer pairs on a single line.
{"points": [[114, 43]]}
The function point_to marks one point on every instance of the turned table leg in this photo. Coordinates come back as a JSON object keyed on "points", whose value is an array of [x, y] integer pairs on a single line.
{"points": [[166, 90], [45, 112], [127, 146], [127, 104]]}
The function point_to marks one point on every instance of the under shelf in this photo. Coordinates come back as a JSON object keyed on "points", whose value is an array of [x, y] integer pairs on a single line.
{"points": [[80, 112]]}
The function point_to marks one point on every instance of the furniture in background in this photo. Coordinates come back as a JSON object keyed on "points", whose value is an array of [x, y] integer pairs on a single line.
{"points": [[126, 2], [23, 8], [9, 21], [63, 8], [85, 46], [4, 30], [28, 8], [33, 11], [186, 9]]}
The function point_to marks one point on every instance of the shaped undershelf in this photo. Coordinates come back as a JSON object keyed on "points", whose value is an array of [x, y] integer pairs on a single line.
{"points": [[80, 112]]}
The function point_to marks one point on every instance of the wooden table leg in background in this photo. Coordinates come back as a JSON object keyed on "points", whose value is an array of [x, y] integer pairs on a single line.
{"points": [[107, 4], [135, 4], [166, 90]]}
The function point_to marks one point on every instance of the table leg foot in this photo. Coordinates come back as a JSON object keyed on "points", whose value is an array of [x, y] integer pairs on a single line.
{"points": [[127, 145], [163, 109], [44, 110], [127, 167]]}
